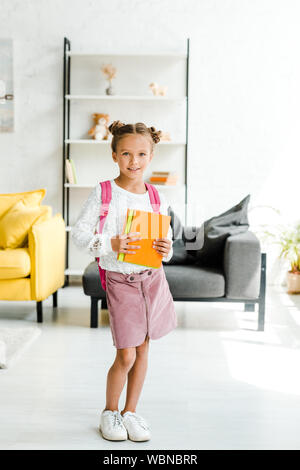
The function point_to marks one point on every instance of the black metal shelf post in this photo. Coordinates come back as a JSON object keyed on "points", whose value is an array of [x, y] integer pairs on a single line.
{"points": [[66, 147], [187, 129]]}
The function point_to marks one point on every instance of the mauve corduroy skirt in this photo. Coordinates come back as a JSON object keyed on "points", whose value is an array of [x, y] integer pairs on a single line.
{"points": [[139, 304]]}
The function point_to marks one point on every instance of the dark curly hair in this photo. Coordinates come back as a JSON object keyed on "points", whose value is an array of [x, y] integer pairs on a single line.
{"points": [[119, 130]]}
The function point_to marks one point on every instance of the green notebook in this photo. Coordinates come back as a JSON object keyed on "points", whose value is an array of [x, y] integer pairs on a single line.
{"points": [[127, 230], [74, 171]]}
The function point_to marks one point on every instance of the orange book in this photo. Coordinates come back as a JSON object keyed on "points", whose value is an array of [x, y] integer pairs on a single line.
{"points": [[162, 178], [151, 226]]}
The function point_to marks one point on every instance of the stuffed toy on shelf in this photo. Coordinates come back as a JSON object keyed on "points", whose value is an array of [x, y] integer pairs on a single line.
{"points": [[100, 131], [158, 90]]}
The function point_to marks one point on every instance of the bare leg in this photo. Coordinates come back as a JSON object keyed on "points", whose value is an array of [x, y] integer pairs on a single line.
{"points": [[136, 376], [117, 375]]}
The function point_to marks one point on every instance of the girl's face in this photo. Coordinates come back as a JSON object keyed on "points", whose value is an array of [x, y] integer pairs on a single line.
{"points": [[133, 155]]}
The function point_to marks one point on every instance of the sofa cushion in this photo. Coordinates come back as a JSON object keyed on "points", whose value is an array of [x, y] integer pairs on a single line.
{"points": [[180, 255], [194, 282], [9, 199], [15, 263], [213, 233], [185, 282], [91, 281], [45, 214], [16, 222]]}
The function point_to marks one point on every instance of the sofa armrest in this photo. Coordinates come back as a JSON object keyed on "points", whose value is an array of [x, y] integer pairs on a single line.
{"points": [[242, 266], [47, 248]]}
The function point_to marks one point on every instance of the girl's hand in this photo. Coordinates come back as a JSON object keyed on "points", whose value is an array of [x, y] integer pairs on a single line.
{"points": [[162, 246], [119, 243]]}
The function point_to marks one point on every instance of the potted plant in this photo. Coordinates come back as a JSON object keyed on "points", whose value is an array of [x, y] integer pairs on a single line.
{"points": [[289, 240]]}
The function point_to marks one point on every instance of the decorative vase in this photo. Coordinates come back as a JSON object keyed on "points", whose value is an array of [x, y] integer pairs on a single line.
{"points": [[109, 90], [293, 282]]}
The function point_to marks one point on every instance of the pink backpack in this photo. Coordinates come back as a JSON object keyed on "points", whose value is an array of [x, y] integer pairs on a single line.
{"points": [[105, 201]]}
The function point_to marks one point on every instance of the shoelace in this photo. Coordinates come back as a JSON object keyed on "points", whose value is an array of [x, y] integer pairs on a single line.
{"points": [[139, 420], [117, 419]]}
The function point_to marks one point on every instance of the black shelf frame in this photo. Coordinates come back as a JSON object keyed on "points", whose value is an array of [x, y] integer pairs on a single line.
{"points": [[187, 128], [66, 146]]}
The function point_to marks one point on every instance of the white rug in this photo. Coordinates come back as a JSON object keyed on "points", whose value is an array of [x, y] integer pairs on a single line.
{"points": [[14, 341]]}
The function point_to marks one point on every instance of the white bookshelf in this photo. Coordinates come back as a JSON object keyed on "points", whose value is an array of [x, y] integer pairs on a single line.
{"points": [[124, 97], [92, 158], [107, 142], [74, 272], [140, 55], [158, 186]]}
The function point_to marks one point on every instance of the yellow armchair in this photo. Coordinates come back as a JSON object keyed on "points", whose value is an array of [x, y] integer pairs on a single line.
{"points": [[33, 270]]}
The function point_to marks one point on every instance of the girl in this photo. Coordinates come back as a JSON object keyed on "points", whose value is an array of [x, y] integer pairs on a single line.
{"points": [[139, 300]]}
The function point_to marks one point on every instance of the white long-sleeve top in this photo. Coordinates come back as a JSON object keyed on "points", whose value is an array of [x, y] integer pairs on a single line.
{"points": [[84, 234]]}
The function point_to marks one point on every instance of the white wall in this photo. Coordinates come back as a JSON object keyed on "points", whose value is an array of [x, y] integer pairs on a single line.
{"points": [[244, 92]]}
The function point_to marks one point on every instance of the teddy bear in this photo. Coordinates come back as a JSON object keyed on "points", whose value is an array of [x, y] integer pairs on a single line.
{"points": [[100, 131]]}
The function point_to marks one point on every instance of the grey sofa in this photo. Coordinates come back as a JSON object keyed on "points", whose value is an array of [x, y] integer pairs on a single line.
{"points": [[238, 276]]}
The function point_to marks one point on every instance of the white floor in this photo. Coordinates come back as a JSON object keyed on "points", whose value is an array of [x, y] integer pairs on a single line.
{"points": [[213, 383]]}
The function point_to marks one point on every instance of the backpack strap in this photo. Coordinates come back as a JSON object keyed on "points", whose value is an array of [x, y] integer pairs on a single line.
{"points": [[106, 198], [105, 201], [154, 197]]}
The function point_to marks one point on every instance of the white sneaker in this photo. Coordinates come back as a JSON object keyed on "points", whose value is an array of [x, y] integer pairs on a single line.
{"points": [[111, 426], [138, 429]]}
